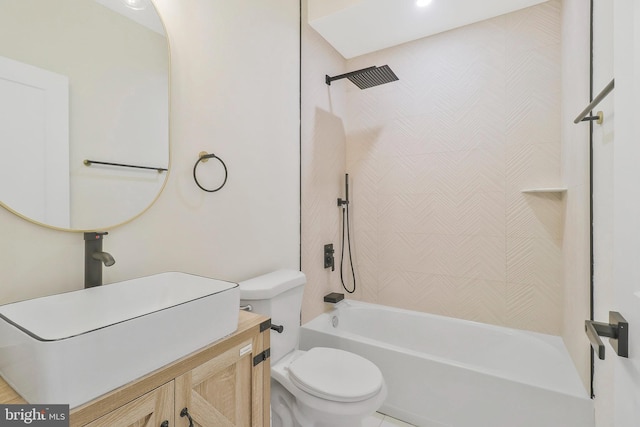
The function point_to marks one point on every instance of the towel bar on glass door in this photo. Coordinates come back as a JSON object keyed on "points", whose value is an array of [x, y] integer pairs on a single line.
{"points": [[583, 115]]}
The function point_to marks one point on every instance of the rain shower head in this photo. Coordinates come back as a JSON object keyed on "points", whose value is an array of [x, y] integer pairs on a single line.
{"points": [[367, 77]]}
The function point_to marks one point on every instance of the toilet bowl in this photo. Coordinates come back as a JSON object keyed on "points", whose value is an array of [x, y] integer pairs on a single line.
{"points": [[321, 387], [325, 387]]}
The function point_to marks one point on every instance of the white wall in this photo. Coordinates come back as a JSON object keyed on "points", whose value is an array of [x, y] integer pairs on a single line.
{"points": [[235, 92]]}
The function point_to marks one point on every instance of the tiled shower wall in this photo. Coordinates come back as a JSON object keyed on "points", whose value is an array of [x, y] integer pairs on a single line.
{"points": [[323, 152], [439, 160]]}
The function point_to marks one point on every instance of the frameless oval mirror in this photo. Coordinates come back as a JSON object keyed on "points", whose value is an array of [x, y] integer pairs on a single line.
{"points": [[82, 83]]}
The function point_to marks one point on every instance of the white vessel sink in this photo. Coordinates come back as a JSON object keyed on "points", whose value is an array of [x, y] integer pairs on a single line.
{"points": [[73, 347]]}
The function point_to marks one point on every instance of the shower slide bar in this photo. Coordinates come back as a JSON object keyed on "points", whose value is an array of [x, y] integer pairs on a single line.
{"points": [[122, 165], [582, 117]]}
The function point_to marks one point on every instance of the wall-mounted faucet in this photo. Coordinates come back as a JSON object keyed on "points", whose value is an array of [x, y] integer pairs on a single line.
{"points": [[94, 257]]}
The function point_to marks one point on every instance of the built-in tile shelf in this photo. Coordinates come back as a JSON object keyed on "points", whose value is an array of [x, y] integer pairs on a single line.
{"points": [[545, 190]]}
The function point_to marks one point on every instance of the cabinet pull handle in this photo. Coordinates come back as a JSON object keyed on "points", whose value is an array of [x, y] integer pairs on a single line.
{"points": [[185, 413], [165, 423]]}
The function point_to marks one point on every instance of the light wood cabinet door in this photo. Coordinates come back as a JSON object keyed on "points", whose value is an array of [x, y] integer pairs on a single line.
{"points": [[149, 410], [227, 391]]}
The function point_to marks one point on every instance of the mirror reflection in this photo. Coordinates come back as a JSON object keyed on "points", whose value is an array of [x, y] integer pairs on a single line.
{"points": [[82, 80]]}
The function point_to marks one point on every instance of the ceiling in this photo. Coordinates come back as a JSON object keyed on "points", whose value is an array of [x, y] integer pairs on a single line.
{"points": [[147, 17], [357, 27]]}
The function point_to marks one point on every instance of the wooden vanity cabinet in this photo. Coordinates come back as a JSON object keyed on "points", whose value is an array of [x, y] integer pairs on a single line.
{"points": [[226, 391], [223, 385], [151, 409], [226, 384]]}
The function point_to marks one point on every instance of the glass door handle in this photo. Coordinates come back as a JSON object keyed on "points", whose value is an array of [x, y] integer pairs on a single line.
{"points": [[617, 330]]}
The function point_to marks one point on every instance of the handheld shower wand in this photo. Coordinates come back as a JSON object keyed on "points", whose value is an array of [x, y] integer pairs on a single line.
{"points": [[345, 226], [345, 202]]}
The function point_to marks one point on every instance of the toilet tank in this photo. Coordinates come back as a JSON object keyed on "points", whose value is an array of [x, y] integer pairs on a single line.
{"points": [[279, 296]]}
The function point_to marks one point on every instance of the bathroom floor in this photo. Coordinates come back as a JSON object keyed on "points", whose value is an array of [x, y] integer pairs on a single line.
{"points": [[382, 420]]}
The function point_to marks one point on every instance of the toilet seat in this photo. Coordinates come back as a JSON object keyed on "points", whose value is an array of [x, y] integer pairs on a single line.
{"points": [[335, 375]]}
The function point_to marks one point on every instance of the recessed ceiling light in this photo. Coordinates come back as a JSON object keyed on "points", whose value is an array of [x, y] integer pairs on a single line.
{"points": [[423, 3], [135, 4]]}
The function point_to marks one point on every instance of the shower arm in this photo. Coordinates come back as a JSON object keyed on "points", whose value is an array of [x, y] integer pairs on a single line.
{"points": [[328, 79]]}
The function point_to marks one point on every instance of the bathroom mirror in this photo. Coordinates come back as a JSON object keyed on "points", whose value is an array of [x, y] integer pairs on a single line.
{"points": [[82, 80]]}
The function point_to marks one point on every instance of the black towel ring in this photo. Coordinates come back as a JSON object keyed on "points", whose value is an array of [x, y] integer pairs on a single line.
{"points": [[204, 157]]}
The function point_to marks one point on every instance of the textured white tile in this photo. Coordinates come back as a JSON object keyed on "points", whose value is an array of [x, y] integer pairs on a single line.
{"points": [[323, 166], [365, 246], [407, 251], [533, 107], [533, 166], [410, 290], [363, 147], [482, 169], [534, 307], [482, 300], [439, 296], [534, 260], [367, 283], [401, 174], [481, 213], [409, 213], [535, 214], [481, 257], [533, 27]]}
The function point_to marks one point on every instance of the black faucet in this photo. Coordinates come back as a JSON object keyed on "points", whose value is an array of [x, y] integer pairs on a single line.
{"points": [[94, 257]]}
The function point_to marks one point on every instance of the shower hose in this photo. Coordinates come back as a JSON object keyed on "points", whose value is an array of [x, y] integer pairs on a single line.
{"points": [[345, 227]]}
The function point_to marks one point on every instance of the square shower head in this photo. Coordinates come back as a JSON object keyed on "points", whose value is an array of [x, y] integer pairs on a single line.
{"points": [[367, 77]]}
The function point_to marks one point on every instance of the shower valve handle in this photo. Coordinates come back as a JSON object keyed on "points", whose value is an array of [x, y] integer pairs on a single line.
{"points": [[329, 260]]}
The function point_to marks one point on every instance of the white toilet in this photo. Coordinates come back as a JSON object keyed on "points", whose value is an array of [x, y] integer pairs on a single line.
{"points": [[322, 387]]}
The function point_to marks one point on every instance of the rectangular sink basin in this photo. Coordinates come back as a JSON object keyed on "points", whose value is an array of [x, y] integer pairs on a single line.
{"points": [[73, 347]]}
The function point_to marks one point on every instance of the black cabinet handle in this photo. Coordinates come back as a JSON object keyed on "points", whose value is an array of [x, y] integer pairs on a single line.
{"points": [[185, 413], [165, 423]]}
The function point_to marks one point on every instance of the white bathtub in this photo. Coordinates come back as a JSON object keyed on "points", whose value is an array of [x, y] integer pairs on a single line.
{"points": [[445, 372]]}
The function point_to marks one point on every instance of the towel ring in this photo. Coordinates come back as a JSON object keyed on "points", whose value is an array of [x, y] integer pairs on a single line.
{"points": [[203, 156]]}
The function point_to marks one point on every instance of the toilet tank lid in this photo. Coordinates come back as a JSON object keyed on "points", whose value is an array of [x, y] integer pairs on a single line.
{"points": [[271, 284]]}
